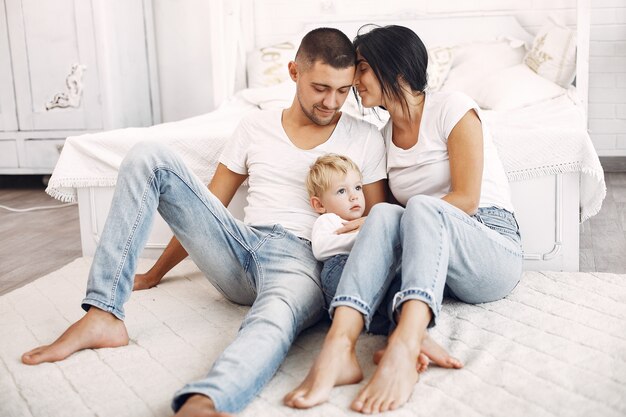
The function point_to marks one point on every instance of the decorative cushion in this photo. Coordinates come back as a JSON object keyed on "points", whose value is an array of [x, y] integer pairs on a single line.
{"points": [[553, 53], [268, 65], [439, 64]]}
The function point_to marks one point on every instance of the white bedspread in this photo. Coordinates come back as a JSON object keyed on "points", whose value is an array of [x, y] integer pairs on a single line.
{"points": [[549, 138], [543, 139]]}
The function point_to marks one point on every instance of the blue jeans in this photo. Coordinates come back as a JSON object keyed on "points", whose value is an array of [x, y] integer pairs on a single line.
{"points": [[268, 268], [414, 253]]}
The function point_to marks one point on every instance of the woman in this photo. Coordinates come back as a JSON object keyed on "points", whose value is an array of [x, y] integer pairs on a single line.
{"points": [[454, 230]]}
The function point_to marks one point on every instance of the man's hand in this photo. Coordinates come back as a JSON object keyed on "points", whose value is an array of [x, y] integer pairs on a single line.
{"points": [[351, 226], [146, 281]]}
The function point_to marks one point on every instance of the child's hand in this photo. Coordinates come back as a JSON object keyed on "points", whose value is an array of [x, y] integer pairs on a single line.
{"points": [[351, 226]]}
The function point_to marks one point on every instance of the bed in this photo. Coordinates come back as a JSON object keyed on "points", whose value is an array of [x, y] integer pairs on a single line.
{"points": [[537, 120]]}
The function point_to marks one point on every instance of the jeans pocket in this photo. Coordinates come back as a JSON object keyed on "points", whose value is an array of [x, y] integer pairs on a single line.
{"points": [[499, 220]]}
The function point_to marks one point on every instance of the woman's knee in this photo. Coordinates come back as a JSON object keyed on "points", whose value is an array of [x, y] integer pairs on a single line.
{"points": [[423, 203], [384, 214]]}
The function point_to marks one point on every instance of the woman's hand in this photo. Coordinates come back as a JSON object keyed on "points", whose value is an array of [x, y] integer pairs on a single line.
{"points": [[351, 226]]}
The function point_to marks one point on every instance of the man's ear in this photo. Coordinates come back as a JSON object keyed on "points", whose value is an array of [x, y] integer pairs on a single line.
{"points": [[317, 205], [293, 70]]}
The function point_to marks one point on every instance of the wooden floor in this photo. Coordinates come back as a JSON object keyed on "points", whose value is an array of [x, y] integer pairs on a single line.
{"points": [[36, 243]]}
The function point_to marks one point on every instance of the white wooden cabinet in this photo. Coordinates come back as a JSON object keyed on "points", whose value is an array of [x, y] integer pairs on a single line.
{"points": [[69, 67]]}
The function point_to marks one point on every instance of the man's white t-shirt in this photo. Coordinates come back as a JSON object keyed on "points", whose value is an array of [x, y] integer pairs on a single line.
{"points": [[277, 169], [425, 167], [325, 242]]}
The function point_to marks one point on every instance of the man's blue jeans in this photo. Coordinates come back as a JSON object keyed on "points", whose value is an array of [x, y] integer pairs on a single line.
{"points": [[413, 253], [266, 267]]}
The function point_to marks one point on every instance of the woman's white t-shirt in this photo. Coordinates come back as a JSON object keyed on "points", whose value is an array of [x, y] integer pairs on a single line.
{"points": [[425, 167], [277, 169]]}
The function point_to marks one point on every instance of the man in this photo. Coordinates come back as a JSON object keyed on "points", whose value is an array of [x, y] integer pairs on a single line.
{"points": [[267, 262]]}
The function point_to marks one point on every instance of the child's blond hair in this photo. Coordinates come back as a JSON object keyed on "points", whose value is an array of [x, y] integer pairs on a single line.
{"points": [[320, 174]]}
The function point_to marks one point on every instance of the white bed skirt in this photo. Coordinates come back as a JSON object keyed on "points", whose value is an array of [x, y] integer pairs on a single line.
{"points": [[547, 209]]}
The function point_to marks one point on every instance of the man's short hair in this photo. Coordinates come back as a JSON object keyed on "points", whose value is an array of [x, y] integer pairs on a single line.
{"points": [[327, 45], [321, 172]]}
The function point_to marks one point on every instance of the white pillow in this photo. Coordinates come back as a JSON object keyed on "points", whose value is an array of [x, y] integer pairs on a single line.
{"points": [[439, 65], [277, 96], [268, 65], [514, 87], [475, 62], [553, 53]]}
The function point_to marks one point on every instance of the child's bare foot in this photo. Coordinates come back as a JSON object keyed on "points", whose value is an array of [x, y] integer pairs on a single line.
{"points": [[336, 365], [430, 351], [145, 281], [392, 383], [199, 406], [97, 329], [438, 354]]}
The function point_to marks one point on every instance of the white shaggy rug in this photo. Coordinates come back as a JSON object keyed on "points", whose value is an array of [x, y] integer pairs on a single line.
{"points": [[555, 347]]}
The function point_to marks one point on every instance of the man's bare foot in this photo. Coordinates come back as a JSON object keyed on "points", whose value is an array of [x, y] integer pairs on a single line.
{"points": [[145, 281], [97, 329], [199, 406], [336, 365], [430, 351], [392, 383]]}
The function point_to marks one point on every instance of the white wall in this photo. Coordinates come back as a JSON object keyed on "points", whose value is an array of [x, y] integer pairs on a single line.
{"points": [[607, 83], [184, 61], [183, 57]]}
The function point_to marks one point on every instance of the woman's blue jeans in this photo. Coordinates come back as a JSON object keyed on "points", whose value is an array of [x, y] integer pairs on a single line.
{"points": [[413, 253], [268, 268]]}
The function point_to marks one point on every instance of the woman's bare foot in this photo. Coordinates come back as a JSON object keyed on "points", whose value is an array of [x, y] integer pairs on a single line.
{"points": [[336, 365], [392, 383], [145, 281], [199, 406], [429, 351], [422, 360], [97, 329]]}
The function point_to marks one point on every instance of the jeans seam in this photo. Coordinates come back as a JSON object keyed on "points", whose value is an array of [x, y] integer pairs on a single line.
{"points": [[207, 205], [131, 237], [247, 248]]}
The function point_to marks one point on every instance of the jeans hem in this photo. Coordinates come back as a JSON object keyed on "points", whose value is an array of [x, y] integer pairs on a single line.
{"points": [[183, 395], [417, 294], [354, 303], [91, 302]]}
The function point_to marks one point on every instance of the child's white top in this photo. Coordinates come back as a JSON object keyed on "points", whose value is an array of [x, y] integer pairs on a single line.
{"points": [[425, 167], [325, 242], [277, 169]]}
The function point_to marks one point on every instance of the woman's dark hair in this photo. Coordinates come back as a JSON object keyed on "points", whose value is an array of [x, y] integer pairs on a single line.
{"points": [[393, 52]]}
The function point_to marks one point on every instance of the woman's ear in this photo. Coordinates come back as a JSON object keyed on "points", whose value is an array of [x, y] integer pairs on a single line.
{"points": [[317, 205]]}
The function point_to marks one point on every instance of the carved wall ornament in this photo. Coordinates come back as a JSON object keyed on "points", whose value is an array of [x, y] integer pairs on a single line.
{"points": [[74, 84]]}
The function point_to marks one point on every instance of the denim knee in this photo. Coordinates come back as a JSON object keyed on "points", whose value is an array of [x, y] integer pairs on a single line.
{"points": [[384, 215], [421, 203], [145, 152]]}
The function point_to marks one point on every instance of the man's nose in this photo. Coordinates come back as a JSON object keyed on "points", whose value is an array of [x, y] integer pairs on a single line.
{"points": [[331, 101]]}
